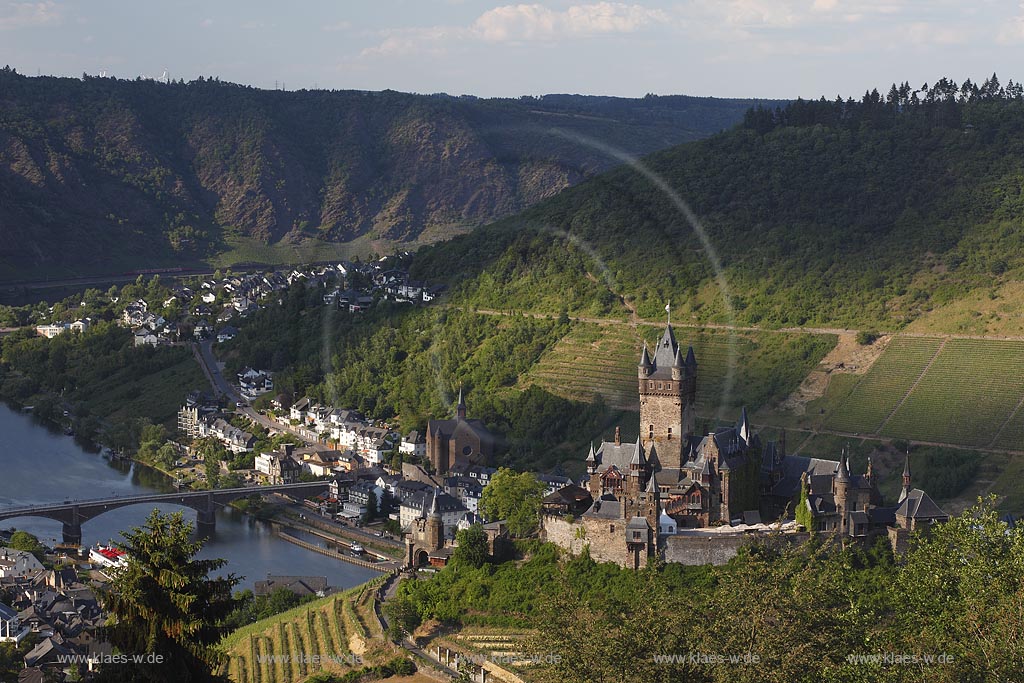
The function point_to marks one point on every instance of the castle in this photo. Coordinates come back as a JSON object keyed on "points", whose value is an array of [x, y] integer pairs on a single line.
{"points": [[675, 494]]}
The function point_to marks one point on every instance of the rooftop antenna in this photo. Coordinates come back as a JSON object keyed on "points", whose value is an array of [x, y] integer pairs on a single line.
{"points": [[668, 309]]}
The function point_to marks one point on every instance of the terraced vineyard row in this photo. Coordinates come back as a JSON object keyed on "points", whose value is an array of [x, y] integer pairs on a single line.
{"points": [[880, 390], [966, 395], [591, 361], [321, 630]]}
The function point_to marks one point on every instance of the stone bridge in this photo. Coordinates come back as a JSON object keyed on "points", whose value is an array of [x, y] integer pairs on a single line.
{"points": [[73, 513]]}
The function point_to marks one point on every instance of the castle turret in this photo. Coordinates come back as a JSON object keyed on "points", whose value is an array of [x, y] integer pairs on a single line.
{"points": [[435, 525], [678, 366], [743, 426], [841, 486], [591, 460], [645, 367], [906, 477]]}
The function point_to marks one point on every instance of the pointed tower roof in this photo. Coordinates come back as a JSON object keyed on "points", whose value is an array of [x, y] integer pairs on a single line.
{"points": [[691, 359], [665, 352], [652, 484], [843, 472], [906, 466], [638, 457], [433, 504], [645, 358], [591, 457], [678, 361], [743, 426], [460, 407]]}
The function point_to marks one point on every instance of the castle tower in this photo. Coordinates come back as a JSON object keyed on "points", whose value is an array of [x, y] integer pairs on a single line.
{"points": [[435, 526], [667, 386], [906, 478], [841, 490]]}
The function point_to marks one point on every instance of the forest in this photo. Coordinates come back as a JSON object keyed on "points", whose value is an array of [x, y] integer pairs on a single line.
{"points": [[807, 612], [859, 213]]}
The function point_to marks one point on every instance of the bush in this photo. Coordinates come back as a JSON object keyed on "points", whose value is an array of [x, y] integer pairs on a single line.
{"points": [[866, 337]]}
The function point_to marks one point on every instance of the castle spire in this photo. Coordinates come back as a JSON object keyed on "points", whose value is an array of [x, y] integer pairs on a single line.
{"points": [[638, 462], [906, 477], [843, 473], [743, 426], [645, 359], [433, 504]]}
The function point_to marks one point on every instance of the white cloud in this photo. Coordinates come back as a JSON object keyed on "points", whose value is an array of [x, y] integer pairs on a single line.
{"points": [[15, 15], [1013, 30], [536, 22], [522, 23]]}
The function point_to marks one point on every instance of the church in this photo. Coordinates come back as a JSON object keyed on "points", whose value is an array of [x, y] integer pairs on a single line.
{"points": [[655, 496], [460, 442]]}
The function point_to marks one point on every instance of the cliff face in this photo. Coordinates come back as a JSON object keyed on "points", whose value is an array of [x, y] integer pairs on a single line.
{"points": [[143, 173]]}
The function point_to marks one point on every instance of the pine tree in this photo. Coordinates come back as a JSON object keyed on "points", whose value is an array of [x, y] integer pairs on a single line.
{"points": [[164, 604]]}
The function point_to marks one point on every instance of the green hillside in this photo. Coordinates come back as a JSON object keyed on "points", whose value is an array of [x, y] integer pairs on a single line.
{"points": [[856, 214], [99, 175]]}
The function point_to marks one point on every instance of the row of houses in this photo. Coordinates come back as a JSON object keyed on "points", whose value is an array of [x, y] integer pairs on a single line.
{"points": [[197, 421], [62, 613], [53, 329]]}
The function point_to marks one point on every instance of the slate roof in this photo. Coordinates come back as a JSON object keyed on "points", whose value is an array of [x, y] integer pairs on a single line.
{"points": [[919, 505]]}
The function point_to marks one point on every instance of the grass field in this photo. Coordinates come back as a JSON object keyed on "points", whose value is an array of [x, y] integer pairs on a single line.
{"points": [[970, 390], [880, 390]]}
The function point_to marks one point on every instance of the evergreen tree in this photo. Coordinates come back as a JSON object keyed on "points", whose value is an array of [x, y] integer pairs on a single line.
{"points": [[164, 604]]}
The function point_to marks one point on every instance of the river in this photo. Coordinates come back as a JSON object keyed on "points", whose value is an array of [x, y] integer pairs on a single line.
{"points": [[42, 465]]}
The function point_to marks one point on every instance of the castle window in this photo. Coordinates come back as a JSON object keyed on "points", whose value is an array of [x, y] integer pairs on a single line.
{"points": [[669, 433], [611, 528], [651, 431], [659, 385]]}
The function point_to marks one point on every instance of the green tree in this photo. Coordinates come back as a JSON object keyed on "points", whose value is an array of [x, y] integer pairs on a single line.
{"points": [[22, 540], [471, 548], [165, 603], [514, 497]]}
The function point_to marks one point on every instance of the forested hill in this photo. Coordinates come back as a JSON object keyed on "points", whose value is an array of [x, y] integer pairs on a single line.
{"points": [[98, 173], [869, 212]]}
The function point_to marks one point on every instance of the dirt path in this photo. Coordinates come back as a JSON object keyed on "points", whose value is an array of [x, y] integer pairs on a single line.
{"points": [[847, 357]]}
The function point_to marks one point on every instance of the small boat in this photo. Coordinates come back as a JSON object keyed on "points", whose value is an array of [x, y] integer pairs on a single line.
{"points": [[356, 548]]}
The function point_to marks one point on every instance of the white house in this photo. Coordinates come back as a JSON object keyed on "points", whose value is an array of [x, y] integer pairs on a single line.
{"points": [[18, 563], [11, 630], [418, 505], [413, 444]]}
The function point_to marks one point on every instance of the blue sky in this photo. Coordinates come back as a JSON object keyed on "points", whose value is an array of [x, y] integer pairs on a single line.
{"points": [[725, 48]]}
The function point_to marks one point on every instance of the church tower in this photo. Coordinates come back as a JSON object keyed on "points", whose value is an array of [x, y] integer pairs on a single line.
{"points": [[668, 392]]}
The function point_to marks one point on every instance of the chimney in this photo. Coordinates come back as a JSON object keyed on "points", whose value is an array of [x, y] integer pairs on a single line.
{"points": [[618, 437]]}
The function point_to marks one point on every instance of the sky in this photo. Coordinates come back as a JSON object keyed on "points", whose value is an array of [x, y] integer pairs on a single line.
{"points": [[721, 48]]}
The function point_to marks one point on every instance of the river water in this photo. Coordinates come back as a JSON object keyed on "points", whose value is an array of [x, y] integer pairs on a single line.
{"points": [[42, 465]]}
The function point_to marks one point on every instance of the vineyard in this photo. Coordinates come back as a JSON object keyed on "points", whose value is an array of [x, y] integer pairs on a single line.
{"points": [[331, 634], [878, 393], [735, 369], [971, 389]]}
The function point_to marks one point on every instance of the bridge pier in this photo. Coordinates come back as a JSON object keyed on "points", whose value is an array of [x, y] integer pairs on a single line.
{"points": [[72, 533], [206, 522]]}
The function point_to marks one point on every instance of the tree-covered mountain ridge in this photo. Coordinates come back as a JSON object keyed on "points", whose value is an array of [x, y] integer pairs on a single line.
{"points": [[99, 172], [896, 209]]}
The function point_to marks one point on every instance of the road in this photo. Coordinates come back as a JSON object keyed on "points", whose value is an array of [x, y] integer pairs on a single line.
{"points": [[208, 362]]}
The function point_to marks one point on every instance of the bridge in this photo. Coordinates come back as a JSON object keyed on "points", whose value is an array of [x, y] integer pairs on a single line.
{"points": [[73, 513]]}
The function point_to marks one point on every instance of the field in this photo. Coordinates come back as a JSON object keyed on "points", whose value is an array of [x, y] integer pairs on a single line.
{"points": [[881, 389], [734, 369], [331, 632], [970, 391]]}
